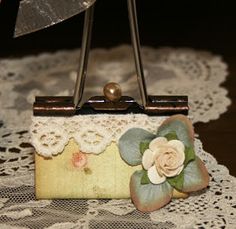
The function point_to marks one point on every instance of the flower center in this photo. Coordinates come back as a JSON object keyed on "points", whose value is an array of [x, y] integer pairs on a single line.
{"points": [[167, 161]]}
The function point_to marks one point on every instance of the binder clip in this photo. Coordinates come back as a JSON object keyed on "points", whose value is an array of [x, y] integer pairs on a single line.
{"points": [[112, 101]]}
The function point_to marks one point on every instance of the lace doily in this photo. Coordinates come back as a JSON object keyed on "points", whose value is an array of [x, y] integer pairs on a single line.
{"points": [[174, 71]]}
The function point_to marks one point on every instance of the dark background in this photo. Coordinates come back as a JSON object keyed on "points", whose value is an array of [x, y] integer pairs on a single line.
{"points": [[206, 25]]}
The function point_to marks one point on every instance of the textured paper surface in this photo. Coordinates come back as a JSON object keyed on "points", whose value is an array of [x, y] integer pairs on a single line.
{"points": [[106, 175]]}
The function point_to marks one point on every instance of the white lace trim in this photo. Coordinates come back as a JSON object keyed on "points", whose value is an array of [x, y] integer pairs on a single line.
{"points": [[93, 133]]}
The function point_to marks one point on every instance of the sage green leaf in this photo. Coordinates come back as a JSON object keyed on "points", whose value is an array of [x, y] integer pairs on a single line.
{"points": [[189, 155], [129, 144], [144, 146], [171, 136], [149, 197], [196, 176], [177, 181], [181, 125], [145, 179]]}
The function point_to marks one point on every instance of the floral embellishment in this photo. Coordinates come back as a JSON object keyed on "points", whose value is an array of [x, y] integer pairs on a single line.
{"points": [[79, 160], [170, 166], [163, 159]]}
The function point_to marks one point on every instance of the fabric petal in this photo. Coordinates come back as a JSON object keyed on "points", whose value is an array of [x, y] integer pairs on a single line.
{"points": [[196, 176], [150, 197], [129, 144], [154, 176], [181, 125], [155, 143], [148, 159]]}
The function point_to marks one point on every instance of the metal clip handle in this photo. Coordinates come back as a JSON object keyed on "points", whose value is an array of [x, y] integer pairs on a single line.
{"points": [[136, 48], [85, 47], [84, 55], [152, 105]]}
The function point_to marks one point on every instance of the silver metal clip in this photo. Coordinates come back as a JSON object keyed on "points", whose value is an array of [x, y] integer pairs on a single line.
{"points": [[153, 105]]}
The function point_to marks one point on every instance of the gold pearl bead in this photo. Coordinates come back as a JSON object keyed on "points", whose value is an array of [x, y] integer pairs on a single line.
{"points": [[112, 91]]}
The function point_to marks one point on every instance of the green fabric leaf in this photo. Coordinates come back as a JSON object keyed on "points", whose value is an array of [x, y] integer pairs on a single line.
{"points": [[171, 136], [179, 124], [189, 155], [177, 181], [144, 146], [129, 145], [145, 179], [150, 197], [196, 176]]}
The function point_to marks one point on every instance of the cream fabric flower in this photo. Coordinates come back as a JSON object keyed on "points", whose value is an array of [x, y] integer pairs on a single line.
{"points": [[163, 159]]}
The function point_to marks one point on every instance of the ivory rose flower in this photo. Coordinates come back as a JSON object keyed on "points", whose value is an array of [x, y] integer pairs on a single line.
{"points": [[163, 159]]}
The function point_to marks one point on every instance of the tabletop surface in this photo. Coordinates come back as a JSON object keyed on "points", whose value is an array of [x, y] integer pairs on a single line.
{"points": [[210, 28]]}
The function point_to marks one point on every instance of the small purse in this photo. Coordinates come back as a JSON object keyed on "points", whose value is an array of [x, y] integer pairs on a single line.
{"points": [[94, 149]]}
